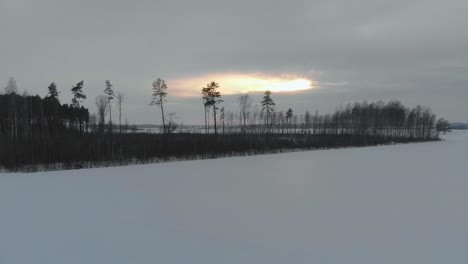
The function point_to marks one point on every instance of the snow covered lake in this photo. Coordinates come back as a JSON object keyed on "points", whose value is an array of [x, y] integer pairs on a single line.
{"points": [[376, 205]]}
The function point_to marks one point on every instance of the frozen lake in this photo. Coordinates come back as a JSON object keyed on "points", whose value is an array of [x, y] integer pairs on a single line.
{"points": [[376, 205]]}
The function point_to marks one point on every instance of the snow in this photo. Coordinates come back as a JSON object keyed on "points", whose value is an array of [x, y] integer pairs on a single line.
{"points": [[386, 204]]}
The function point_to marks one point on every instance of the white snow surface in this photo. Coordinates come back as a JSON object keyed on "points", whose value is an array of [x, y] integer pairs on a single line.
{"points": [[388, 204]]}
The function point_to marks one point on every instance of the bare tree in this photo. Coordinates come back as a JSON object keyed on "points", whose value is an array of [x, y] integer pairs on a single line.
{"points": [[307, 122], [289, 116], [245, 102], [11, 86], [102, 104], [172, 125], [120, 98], [93, 123], [221, 116], [127, 124]]}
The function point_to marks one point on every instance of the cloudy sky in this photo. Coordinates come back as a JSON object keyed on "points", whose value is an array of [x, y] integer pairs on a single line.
{"points": [[333, 52]]}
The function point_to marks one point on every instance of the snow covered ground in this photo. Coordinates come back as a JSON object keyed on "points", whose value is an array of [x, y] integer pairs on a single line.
{"points": [[388, 204]]}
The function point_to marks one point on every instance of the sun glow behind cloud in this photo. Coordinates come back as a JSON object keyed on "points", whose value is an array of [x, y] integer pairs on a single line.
{"points": [[235, 83], [275, 85]]}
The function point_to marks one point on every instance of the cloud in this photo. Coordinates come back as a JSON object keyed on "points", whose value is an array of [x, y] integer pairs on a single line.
{"points": [[237, 82], [413, 50]]}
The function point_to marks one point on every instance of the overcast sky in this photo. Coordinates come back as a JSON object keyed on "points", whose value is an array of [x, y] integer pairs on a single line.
{"points": [[414, 51]]}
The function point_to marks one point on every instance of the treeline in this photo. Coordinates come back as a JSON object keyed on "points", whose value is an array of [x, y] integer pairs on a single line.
{"points": [[361, 124], [32, 117], [37, 131], [391, 119], [94, 150]]}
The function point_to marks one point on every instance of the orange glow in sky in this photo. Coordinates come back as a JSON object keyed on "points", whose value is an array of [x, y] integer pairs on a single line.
{"points": [[235, 83]]}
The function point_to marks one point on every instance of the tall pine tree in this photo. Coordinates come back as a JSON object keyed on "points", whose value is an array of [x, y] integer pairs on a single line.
{"points": [[53, 93], [78, 95], [159, 98], [212, 98], [110, 95], [267, 106]]}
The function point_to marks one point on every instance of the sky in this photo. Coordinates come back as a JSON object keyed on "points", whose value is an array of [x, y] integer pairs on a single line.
{"points": [[331, 52]]}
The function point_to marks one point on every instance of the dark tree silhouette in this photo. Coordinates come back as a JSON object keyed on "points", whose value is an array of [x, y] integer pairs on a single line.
{"points": [[206, 105], [268, 108], [442, 125], [171, 125], [11, 86], [245, 102], [120, 98], [78, 95], [102, 105], [159, 98], [110, 95], [221, 117], [53, 93], [212, 98], [307, 121], [289, 117], [41, 131]]}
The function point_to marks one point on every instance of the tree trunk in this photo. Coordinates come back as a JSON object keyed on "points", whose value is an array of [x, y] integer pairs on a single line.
{"points": [[162, 115], [214, 119], [120, 119], [110, 116]]}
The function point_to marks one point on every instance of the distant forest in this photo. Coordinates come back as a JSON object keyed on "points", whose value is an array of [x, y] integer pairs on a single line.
{"points": [[461, 126], [42, 133]]}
